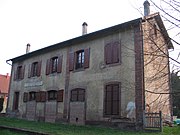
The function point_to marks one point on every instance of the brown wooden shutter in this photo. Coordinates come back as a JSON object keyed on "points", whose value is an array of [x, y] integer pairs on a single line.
{"points": [[60, 59], [39, 68], [15, 74], [47, 66], [43, 96], [38, 97], [29, 70], [86, 57], [108, 53], [25, 97], [23, 71], [60, 95], [50, 65], [71, 61], [115, 52]]}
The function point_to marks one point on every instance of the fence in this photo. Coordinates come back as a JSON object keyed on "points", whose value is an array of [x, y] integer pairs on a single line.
{"points": [[153, 121]]}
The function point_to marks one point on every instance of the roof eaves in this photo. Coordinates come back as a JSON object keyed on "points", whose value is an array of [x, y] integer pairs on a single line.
{"points": [[80, 39]]}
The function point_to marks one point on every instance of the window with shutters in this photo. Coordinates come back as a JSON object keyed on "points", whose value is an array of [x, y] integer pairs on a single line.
{"points": [[79, 59], [78, 95], [112, 53], [34, 69], [52, 95], [54, 65], [112, 99], [32, 96], [19, 73]]}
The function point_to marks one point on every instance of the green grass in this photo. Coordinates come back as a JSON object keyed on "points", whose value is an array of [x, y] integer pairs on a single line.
{"points": [[67, 129], [7, 132]]}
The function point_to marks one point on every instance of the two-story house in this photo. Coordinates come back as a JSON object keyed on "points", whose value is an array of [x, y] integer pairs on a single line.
{"points": [[96, 78]]}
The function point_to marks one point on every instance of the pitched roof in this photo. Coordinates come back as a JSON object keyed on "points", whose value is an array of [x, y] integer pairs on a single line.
{"points": [[4, 83], [163, 30], [98, 34], [81, 39]]}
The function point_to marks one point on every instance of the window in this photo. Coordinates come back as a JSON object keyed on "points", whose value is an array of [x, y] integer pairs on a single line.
{"points": [[112, 98], [54, 65], [79, 59], [77, 95], [32, 96], [34, 69], [112, 53], [19, 73], [16, 101], [52, 95]]}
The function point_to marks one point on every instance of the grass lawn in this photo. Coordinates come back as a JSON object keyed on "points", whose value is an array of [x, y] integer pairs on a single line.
{"points": [[66, 129]]}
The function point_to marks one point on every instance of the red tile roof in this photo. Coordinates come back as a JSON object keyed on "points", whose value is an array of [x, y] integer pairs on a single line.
{"points": [[4, 83]]}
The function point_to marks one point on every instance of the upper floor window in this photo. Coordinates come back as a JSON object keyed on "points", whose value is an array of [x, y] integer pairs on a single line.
{"points": [[54, 65], [19, 73], [112, 53], [79, 59], [78, 95], [34, 69]]}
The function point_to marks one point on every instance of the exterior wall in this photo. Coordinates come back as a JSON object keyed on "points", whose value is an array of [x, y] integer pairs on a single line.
{"points": [[156, 69], [92, 79]]}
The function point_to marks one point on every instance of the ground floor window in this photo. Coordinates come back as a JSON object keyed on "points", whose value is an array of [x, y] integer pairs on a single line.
{"points": [[16, 101], [112, 99], [78, 95], [52, 95]]}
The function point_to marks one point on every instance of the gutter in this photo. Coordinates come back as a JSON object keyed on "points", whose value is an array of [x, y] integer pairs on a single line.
{"points": [[7, 61]]}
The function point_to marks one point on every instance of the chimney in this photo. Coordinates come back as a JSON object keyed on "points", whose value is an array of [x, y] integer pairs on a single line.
{"points": [[84, 28], [146, 8], [28, 48]]}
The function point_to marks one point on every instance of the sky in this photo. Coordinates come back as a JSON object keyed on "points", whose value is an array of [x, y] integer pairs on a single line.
{"points": [[46, 22]]}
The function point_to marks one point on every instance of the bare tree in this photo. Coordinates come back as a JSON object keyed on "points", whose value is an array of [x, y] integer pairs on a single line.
{"points": [[170, 12]]}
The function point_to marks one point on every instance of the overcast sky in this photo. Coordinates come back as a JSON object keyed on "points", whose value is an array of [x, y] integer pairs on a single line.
{"points": [[46, 22]]}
